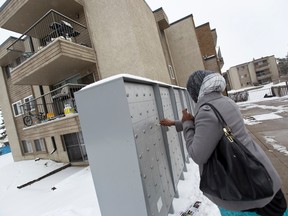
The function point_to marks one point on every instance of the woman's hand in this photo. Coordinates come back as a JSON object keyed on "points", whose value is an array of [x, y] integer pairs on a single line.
{"points": [[167, 122], [187, 116]]}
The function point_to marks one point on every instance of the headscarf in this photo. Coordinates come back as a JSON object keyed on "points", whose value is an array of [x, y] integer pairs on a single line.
{"points": [[203, 82]]}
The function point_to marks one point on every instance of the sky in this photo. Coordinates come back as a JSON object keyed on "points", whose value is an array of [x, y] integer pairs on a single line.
{"points": [[246, 29]]}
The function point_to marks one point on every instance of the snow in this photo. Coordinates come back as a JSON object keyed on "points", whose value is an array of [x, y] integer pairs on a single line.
{"points": [[270, 140], [258, 119], [267, 86], [189, 193], [266, 116], [125, 77], [74, 193], [256, 93]]}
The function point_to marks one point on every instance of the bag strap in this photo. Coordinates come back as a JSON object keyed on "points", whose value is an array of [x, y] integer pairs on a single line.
{"points": [[218, 115], [226, 129]]}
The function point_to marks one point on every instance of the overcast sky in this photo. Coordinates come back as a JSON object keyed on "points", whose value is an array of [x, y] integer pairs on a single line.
{"points": [[246, 29]]}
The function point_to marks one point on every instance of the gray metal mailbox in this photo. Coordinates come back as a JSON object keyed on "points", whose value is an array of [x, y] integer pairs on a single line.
{"points": [[136, 164]]}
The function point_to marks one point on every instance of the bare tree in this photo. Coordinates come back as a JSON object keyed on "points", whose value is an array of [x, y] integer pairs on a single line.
{"points": [[3, 133]]}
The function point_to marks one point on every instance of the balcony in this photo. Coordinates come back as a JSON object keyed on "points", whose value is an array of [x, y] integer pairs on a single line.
{"points": [[7, 57], [263, 76], [18, 16], [52, 111], [56, 48], [161, 18], [261, 66]]}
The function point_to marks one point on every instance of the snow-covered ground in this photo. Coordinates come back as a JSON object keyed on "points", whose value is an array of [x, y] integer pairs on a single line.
{"points": [[257, 93], [275, 113], [74, 193]]}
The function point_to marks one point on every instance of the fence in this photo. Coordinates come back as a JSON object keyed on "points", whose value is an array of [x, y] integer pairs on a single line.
{"points": [[280, 90], [136, 164], [51, 26], [51, 105], [259, 93]]}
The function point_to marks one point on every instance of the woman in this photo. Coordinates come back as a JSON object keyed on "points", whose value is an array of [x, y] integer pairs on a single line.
{"points": [[203, 133]]}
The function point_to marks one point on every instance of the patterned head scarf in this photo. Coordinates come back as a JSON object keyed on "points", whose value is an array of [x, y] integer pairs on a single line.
{"points": [[202, 82]]}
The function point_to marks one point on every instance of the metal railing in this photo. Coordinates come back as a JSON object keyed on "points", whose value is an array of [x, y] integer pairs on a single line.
{"points": [[264, 65], [51, 26], [263, 76], [280, 91], [51, 105]]}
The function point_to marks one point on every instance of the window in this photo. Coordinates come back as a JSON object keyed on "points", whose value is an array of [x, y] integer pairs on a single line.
{"points": [[54, 145], [27, 146], [171, 72], [73, 143], [29, 104], [40, 145], [73, 139], [17, 109]]}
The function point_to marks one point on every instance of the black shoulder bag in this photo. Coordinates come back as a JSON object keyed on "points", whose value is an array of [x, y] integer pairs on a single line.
{"points": [[232, 172]]}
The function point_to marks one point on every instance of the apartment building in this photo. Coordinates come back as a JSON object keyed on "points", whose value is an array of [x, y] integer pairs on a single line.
{"points": [[64, 47], [188, 48], [183, 47], [207, 39], [257, 72]]}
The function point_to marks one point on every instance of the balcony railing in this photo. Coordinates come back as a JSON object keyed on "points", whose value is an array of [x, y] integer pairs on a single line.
{"points": [[51, 26], [50, 106], [262, 76], [261, 66]]}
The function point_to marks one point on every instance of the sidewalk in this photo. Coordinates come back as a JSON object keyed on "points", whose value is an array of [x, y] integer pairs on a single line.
{"points": [[271, 134]]}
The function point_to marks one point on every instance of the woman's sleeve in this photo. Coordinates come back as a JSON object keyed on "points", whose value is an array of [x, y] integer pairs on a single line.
{"points": [[203, 136], [178, 125]]}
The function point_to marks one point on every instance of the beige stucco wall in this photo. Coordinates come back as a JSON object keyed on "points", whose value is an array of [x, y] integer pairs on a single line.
{"points": [[252, 73], [244, 75], [125, 37], [234, 78], [212, 64], [9, 120], [60, 154], [274, 69], [184, 49], [167, 55]]}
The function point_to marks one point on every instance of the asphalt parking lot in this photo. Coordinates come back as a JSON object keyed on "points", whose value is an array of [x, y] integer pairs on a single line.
{"points": [[271, 134]]}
